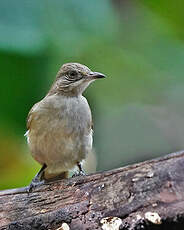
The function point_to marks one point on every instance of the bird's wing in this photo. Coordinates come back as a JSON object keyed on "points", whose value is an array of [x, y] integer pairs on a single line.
{"points": [[30, 116], [92, 125]]}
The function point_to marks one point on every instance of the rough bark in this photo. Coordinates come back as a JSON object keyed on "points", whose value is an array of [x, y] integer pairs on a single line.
{"points": [[148, 195]]}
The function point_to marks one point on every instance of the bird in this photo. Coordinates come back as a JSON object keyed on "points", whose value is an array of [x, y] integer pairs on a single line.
{"points": [[59, 127]]}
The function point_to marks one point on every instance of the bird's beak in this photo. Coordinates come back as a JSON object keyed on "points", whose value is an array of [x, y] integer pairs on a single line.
{"points": [[96, 75]]}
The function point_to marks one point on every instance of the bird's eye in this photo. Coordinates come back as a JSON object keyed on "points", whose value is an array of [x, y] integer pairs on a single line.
{"points": [[73, 74]]}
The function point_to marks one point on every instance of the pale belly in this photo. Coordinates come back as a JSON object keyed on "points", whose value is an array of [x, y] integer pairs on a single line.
{"points": [[59, 153]]}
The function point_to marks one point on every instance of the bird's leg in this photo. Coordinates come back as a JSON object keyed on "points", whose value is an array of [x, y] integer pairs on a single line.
{"points": [[37, 180], [81, 172]]}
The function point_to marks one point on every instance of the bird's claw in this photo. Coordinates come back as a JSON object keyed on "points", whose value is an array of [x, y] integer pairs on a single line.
{"points": [[33, 185], [79, 173]]}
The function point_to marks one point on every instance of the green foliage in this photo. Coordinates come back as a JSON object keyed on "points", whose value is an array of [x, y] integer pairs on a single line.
{"points": [[138, 109]]}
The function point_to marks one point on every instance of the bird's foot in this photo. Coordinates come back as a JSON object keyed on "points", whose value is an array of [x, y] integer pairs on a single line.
{"points": [[81, 172], [34, 184], [37, 180]]}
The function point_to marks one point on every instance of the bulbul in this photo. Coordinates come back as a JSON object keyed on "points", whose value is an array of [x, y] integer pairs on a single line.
{"points": [[59, 127]]}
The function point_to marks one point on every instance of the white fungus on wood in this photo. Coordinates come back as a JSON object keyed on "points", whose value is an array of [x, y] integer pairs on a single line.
{"points": [[150, 174], [153, 217], [111, 223], [64, 226]]}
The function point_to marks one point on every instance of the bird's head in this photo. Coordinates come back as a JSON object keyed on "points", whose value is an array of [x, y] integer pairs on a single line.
{"points": [[73, 79]]}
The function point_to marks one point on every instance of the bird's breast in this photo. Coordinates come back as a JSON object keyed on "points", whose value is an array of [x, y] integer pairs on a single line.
{"points": [[75, 114]]}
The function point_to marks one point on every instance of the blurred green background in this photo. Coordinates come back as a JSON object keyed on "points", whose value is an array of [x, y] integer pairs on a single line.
{"points": [[138, 110]]}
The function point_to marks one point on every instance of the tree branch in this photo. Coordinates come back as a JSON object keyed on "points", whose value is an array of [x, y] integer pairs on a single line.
{"points": [[148, 195]]}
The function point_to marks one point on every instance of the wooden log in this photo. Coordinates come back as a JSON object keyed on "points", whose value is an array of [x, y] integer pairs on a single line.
{"points": [[148, 195]]}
